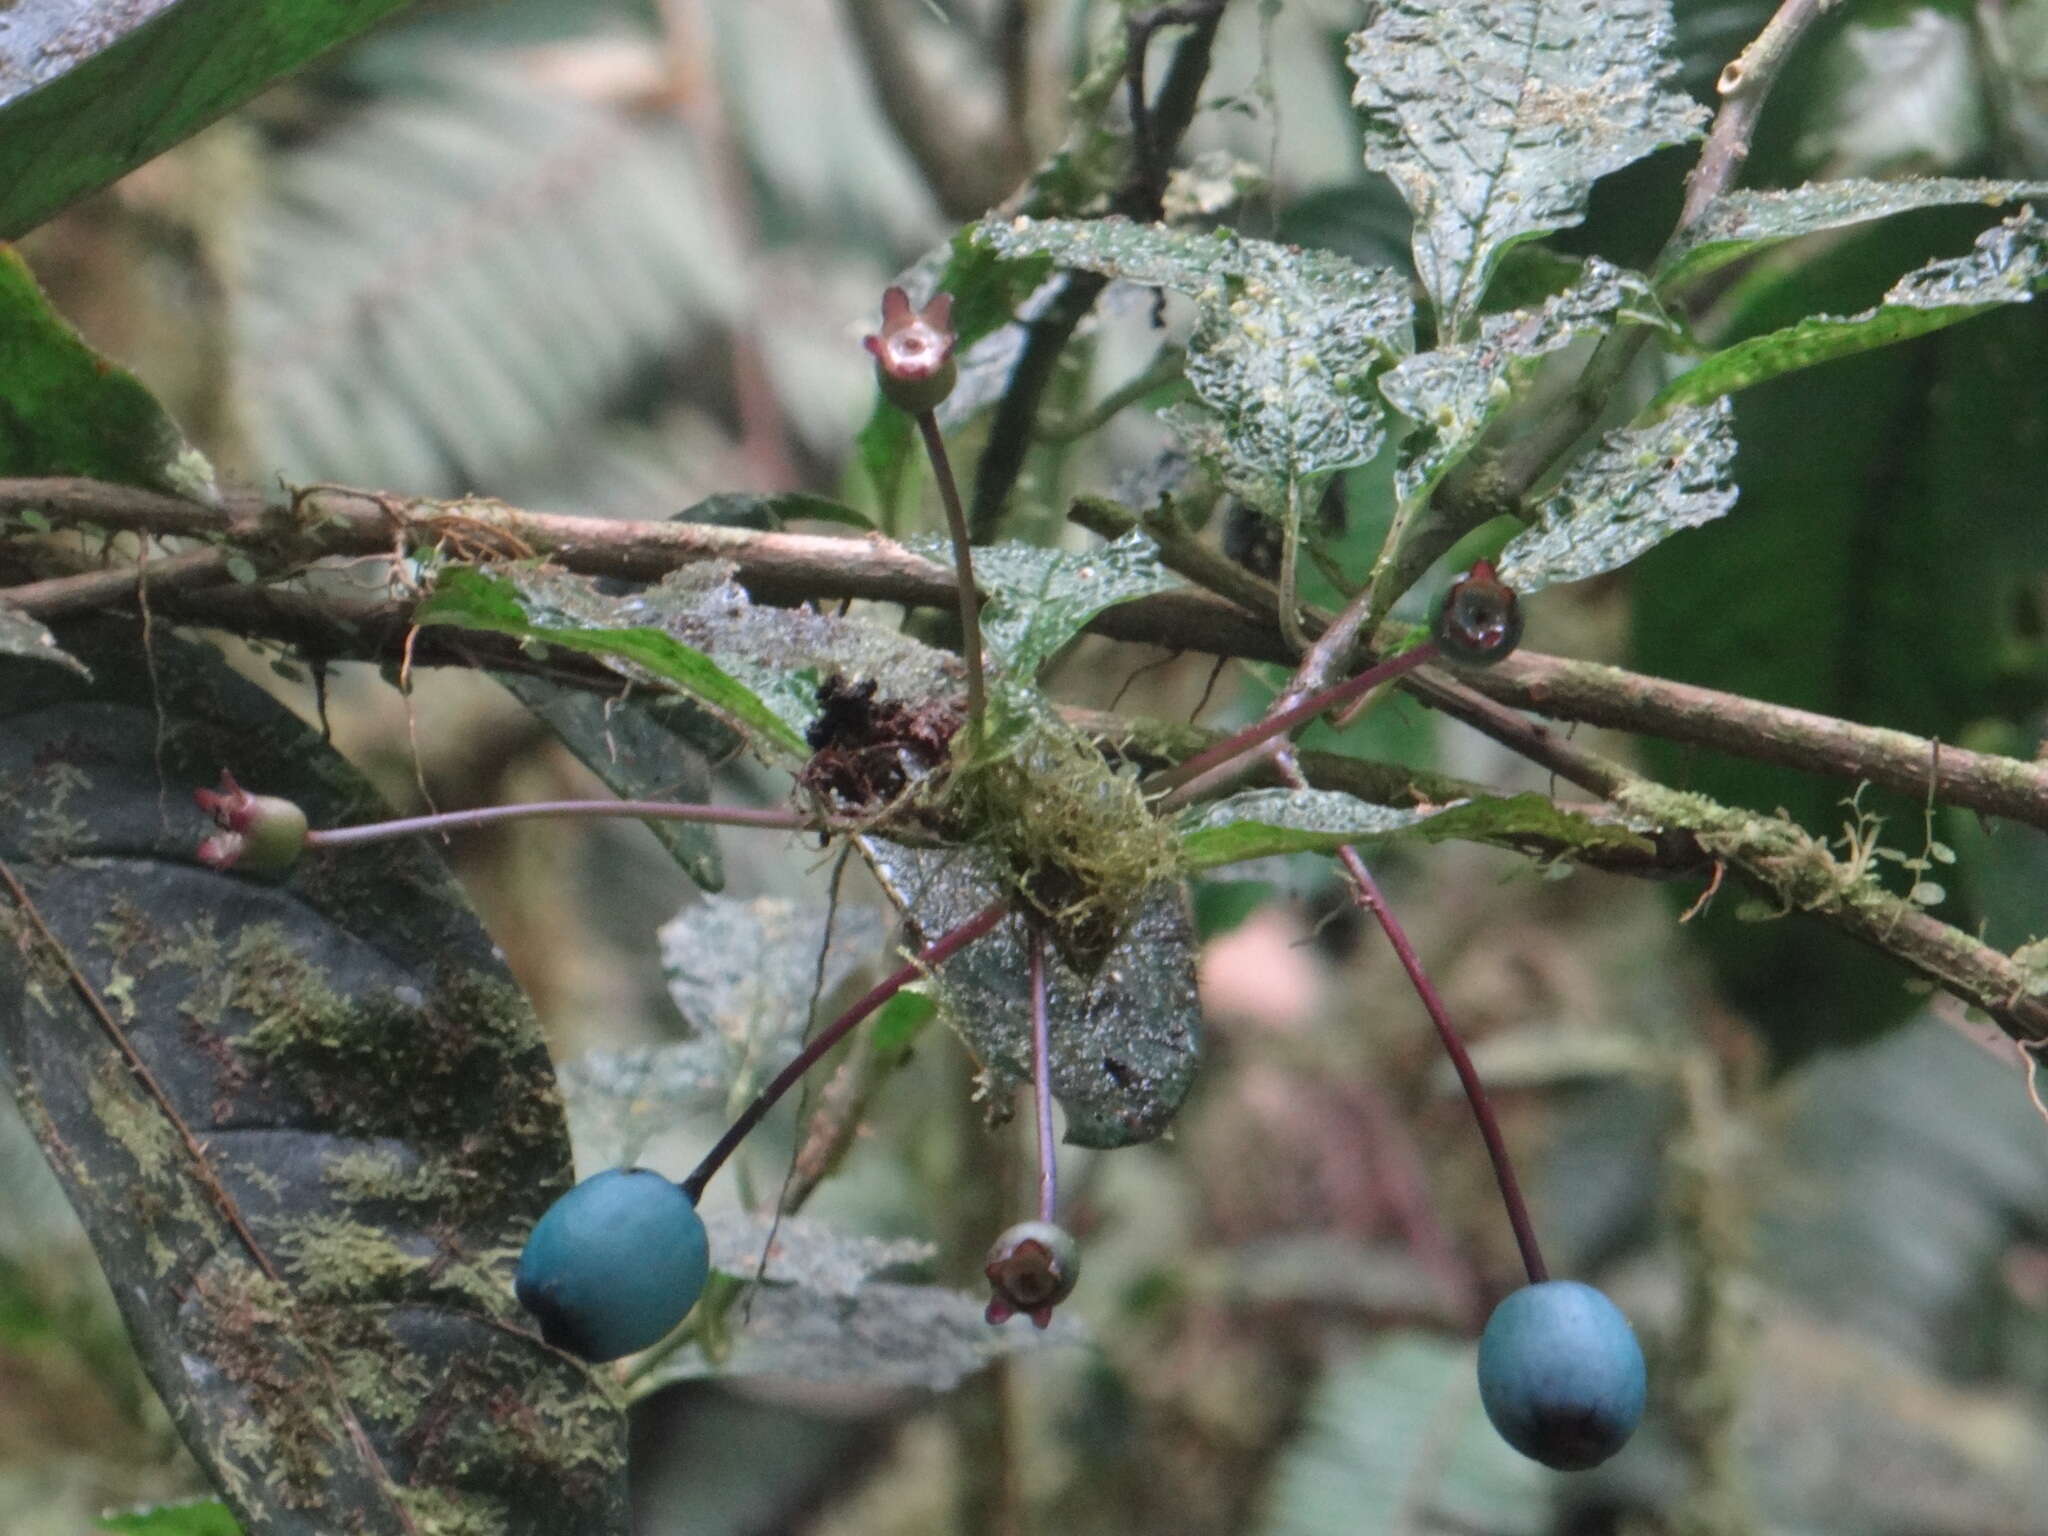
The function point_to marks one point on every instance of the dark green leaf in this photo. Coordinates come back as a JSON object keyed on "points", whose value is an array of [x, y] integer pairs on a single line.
{"points": [[89, 93], [1740, 222], [1124, 1044], [1634, 491], [1284, 347], [206, 1517], [30, 640], [2009, 264], [1495, 120], [650, 748], [310, 1207], [470, 599], [1039, 599], [65, 410]]}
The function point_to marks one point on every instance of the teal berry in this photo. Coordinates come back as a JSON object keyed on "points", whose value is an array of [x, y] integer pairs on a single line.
{"points": [[1561, 1374], [614, 1264]]}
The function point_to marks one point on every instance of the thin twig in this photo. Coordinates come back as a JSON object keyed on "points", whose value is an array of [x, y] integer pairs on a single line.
{"points": [[1744, 86], [59, 595], [770, 818]]}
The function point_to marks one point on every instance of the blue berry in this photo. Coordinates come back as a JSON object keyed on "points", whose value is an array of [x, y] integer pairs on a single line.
{"points": [[614, 1264], [1561, 1374]]}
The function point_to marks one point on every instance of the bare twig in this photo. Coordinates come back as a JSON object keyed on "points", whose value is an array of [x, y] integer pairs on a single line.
{"points": [[87, 590], [1744, 86]]}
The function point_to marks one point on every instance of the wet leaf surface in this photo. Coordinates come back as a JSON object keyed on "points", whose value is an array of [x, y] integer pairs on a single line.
{"points": [[2009, 265], [1285, 344], [1124, 1044], [310, 1206], [28, 639], [1634, 491], [1495, 120], [1261, 823]]}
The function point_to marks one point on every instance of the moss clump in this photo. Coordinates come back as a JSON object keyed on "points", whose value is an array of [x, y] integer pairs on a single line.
{"points": [[1073, 836]]}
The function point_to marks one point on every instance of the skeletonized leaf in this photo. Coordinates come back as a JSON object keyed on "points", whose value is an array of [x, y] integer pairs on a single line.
{"points": [[1495, 120], [66, 410], [2008, 265], [1124, 1043], [883, 1335], [306, 1125], [1454, 392], [1740, 222], [648, 748], [1284, 347], [30, 640], [470, 599], [1039, 599], [1639, 487]]}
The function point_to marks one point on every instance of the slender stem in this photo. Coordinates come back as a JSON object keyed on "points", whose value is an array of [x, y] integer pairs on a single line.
{"points": [[1744, 85], [963, 560], [1041, 1081], [933, 954], [1368, 895], [1200, 771], [487, 815]]}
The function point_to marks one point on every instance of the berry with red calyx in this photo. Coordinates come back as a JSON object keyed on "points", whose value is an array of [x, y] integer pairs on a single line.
{"points": [[913, 352], [1480, 621], [262, 834], [1031, 1269]]}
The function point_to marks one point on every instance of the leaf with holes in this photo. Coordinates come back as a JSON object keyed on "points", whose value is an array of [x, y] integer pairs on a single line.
{"points": [[1039, 599], [1638, 488], [1124, 1042], [1495, 120], [1285, 345], [2008, 265], [1740, 223], [306, 1125]]}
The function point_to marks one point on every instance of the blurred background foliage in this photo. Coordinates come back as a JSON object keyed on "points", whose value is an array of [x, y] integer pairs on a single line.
{"points": [[613, 257]]}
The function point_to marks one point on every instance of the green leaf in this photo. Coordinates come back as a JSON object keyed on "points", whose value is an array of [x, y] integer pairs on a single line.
{"points": [[2008, 265], [1638, 488], [1453, 394], [649, 748], [742, 974], [1285, 343], [1039, 599], [87, 93], [1738, 223], [65, 410], [1495, 120], [885, 1335], [31, 640], [204, 1517], [1260, 823], [1396, 1439], [305, 1124], [1124, 1054], [470, 599]]}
